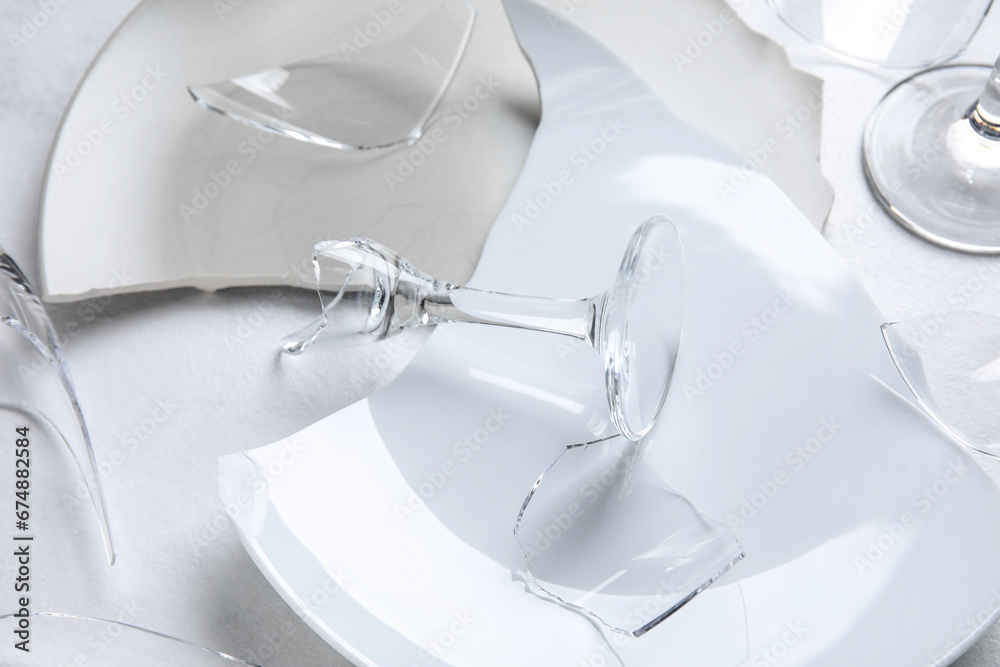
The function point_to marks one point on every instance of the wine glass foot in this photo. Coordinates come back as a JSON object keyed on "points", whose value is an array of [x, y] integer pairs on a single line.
{"points": [[641, 323], [928, 164]]}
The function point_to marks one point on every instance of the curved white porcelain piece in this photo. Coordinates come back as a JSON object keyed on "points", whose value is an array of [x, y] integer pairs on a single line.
{"points": [[157, 194], [160, 194], [870, 537]]}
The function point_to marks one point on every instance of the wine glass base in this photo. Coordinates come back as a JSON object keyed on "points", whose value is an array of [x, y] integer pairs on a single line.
{"points": [[927, 164], [641, 326]]}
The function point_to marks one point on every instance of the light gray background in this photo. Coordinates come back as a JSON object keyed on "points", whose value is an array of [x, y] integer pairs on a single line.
{"points": [[181, 569]]}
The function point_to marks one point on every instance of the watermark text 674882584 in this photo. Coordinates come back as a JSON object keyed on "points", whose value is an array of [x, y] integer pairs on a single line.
{"points": [[22, 539]]}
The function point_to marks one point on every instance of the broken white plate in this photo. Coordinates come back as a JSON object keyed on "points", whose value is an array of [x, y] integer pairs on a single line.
{"points": [[147, 185], [870, 537]]}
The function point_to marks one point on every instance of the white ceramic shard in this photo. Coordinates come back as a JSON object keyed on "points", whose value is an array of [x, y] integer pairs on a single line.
{"points": [[651, 543], [148, 185], [388, 524]]}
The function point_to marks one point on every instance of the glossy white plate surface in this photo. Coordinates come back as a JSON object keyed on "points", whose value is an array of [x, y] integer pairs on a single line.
{"points": [[871, 539], [158, 193]]}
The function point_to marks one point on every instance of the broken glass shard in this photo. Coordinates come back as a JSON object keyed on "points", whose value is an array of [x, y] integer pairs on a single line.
{"points": [[36, 382], [377, 87], [604, 535], [66, 639], [887, 33], [951, 363]]}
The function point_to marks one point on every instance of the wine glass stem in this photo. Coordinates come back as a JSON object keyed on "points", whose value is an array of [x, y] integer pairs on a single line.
{"points": [[985, 115], [576, 318]]}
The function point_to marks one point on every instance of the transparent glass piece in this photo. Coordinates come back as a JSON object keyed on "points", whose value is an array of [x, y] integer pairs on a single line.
{"points": [[932, 156], [635, 326], [951, 362], [36, 381], [889, 33], [604, 535], [377, 87], [65, 639]]}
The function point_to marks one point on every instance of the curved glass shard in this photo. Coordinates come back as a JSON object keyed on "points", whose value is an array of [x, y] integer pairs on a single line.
{"points": [[889, 33], [36, 382], [377, 87], [602, 534], [65, 639], [951, 362]]}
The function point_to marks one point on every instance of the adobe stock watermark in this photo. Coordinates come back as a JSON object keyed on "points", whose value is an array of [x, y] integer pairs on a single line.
{"points": [[700, 42], [305, 607], [985, 275], [796, 459], [895, 17], [785, 128], [290, 451], [778, 651], [86, 312], [33, 24], [662, 597], [387, 355], [225, 7], [564, 10], [106, 636], [658, 257], [303, 272], [862, 219], [967, 627], [362, 36], [434, 649], [120, 110], [924, 334], [456, 116], [463, 451], [959, 297], [128, 442], [217, 181], [220, 523], [260, 312], [659, 601], [572, 508], [922, 503], [272, 643], [580, 160], [914, 167], [751, 331]]}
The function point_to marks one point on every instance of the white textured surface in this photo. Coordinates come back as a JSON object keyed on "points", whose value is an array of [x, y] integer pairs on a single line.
{"points": [[180, 568], [906, 276]]}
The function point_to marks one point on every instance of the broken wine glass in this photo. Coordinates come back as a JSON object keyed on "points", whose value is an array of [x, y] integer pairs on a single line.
{"points": [[635, 326]]}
